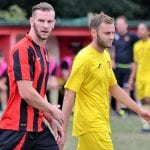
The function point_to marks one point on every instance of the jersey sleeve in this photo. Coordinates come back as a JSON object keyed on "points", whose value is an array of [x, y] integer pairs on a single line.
{"points": [[23, 64], [78, 74], [112, 80]]}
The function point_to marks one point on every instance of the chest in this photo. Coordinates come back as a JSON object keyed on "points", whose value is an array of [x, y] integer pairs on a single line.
{"points": [[100, 70], [41, 62], [143, 52]]}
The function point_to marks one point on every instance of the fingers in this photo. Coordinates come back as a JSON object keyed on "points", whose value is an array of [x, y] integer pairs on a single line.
{"points": [[146, 116], [60, 139], [55, 134], [60, 132], [61, 146]]}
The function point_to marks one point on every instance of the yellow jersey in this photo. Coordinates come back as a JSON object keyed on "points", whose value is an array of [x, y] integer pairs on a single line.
{"points": [[141, 57], [90, 78]]}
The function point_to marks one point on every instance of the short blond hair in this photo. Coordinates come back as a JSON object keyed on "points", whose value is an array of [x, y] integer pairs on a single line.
{"points": [[97, 19], [42, 6]]}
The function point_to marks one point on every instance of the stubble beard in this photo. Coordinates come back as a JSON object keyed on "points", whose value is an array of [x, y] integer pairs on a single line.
{"points": [[39, 36], [101, 44]]}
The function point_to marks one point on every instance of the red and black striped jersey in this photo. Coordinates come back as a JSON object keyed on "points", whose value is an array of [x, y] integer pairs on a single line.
{"points": [[28, 61]]}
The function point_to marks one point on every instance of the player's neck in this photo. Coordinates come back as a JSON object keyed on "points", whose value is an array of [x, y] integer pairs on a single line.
{"points": [[37, 40], [145, 38], [96, 47]]}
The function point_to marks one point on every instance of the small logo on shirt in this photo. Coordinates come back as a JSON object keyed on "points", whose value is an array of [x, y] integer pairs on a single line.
{"points": [[109, 64], [99, 65]]}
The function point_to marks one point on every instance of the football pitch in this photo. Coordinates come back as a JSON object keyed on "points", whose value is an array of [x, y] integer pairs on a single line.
{"points": [[126, 134]]}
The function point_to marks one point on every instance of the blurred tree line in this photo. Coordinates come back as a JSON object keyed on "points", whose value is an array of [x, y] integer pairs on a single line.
{"points": [[132, 9]]}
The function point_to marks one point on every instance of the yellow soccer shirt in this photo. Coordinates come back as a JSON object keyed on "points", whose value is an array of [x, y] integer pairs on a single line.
{"points": [[141, 57], [90, 78]]}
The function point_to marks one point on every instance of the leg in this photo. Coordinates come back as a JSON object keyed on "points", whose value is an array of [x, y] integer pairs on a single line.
{"points": [[143, 93], [146, 105], [122, 109]]}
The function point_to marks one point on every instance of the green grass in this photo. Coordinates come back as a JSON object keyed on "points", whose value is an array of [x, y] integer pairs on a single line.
{"points": [[126, 134]]}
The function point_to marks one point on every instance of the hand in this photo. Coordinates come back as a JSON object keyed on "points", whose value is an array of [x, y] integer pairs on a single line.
{"points": [[57, 114], [61, 146], [58, 131], [145, 115]]}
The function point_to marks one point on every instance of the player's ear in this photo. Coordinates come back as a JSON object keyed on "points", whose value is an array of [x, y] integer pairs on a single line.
{"points": [[93, 33], [31, 20], [54, 22]]}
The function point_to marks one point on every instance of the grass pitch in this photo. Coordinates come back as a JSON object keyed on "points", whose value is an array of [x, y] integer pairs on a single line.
{"points": [[126, 134]]}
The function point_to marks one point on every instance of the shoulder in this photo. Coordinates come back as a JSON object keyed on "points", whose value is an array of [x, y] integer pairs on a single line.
{"points": [[137, 46], [83, 54], [138, 43], [132, 35], [22, 46], [82, 58]]}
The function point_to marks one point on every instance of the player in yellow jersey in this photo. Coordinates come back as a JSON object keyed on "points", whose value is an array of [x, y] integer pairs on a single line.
{"points": [[90, 82], [142, 69]]}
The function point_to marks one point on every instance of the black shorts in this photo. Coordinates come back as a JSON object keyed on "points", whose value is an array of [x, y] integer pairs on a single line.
{"points": [[122, 76], [18, 140]]}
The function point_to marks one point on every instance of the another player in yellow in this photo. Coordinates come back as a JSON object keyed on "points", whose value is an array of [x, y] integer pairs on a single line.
{"points": [[89, 84], [142, 69]]}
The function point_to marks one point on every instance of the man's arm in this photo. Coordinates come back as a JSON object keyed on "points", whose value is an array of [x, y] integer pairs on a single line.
{"points": [[119, 94], [68, 104], [33, 98], [56, 127], [132, 75]]}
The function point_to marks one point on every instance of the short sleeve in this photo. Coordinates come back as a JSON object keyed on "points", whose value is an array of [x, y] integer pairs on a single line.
{"points": [[78, 74], [23, 63], [113, 80]]}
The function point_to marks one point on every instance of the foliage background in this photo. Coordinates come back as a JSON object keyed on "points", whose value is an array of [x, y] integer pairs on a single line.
{"points": [[132, 9]]}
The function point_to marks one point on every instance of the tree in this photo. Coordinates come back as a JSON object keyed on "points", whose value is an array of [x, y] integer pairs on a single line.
{"points": [[14, 13], [132, 9]]}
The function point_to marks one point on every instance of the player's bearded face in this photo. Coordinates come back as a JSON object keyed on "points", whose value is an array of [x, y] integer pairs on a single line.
{"points": [[41, 33], [105, 35], [103, 43]]}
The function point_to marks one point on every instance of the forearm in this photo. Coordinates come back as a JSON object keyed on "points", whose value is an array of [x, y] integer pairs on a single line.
{"points": [[37, 101], [120, 95], [32, 97], [133, 73], [48, 117], [68, 104]]}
